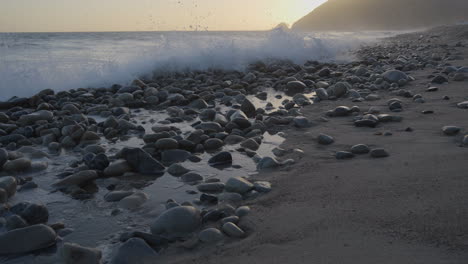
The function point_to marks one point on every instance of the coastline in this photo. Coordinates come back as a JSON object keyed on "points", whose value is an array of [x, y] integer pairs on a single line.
{"points": [[408, 206]]}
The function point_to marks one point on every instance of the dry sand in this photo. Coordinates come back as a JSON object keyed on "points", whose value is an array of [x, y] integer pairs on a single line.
{"points": [[411, 207]]}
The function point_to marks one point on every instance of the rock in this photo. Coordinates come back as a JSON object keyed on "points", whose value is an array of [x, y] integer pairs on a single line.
{"points": [[465, 141], [379, 153], [324, 139], [116, 196], [301, 122], [177, 222], [339, 89], [248, 108], [76, 254], [294, 87], [238, 185], [463, 105], [250, 144], [242, 211], [192, 177], [394, 76], [222, 158], [210, 235], [142, 162], [15, 222], [322, 94], [267, 163], [166, 143], [8, 184], [230, 219], [213, 144], [459, 77], [262, 186], [3, 157], [341, 111], [230, 197], [117, 168], [32, 213], [344, 155], [360, 149], [99, 162], [133, 201], [233, 230], [78, 179], [28, 239], [199, 104], [439, 79], [211, 187], [17, 165], [451, 130], [134, 251], [32, 118], [89, 136], [235, 139]]}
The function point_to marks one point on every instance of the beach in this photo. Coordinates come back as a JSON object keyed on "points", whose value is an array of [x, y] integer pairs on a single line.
{"points": [[360, 161]]}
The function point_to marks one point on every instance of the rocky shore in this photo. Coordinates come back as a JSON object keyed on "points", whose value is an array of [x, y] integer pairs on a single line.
{"points": [[79, 167]]}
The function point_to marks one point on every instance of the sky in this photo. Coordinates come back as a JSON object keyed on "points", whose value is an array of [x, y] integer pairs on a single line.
{"points": [[149, 15]]}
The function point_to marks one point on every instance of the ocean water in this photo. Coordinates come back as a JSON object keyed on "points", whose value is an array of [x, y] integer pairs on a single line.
{"points": [[30, 62]]}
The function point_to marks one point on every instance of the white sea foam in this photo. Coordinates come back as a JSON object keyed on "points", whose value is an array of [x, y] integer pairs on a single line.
{"points": [[60, 61]]}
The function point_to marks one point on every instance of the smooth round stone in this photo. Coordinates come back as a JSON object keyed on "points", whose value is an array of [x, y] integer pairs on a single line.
{"points": [[451, 130], [394, 76], [233, 230], [78, 179], [32, 213], [322, 94], [133, 201], [262, 186], [17, 165], [379, 153], [344, 155], [242, 211], [213, 144], [267, 163], [230, 219], [117, 168], [230, 197], [177, 221], [8, 184], [116, 196], [28, 239], [238, 185], [3, 196], [210, 235], [325, 139], [250, 144], [360, 149], [301, 122], [192, 177], [76, 254], [236, 139], [465, 141], [211, 187], [166, 143], [3, 157], [15, 222]]}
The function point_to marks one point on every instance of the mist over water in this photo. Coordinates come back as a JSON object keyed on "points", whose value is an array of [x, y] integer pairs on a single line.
{"points": [[30, 62]]}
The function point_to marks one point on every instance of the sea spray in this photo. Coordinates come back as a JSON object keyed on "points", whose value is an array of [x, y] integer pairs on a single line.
{"points": [[30, 62]]}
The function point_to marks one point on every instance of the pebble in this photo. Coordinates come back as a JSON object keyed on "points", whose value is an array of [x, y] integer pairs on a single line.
{"points": [[177, 221], [210, 235], [27, 239], [360, 149], [233, 230], [379, 153], [344, 155], [324, 139], [76, 254], [451, 130], [262, 186], [134, 250], [242, 211], [134, 201]]}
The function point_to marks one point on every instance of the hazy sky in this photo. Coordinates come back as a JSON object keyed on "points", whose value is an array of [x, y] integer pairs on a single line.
{"points": [[132, 15]]}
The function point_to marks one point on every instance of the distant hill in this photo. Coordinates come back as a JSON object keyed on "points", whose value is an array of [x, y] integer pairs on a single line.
{"points": [[347, 15]]}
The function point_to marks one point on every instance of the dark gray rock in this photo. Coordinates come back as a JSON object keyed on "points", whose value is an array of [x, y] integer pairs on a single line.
{"points": [[222, 158], [28, 239], [134, 250], [32, 213], [142, 162], [76, 254], [379, 153], [177, 222], [325, 139]]}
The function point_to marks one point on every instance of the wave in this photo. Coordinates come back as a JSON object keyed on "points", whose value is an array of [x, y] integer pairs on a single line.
{"points": [[33, 62]]}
